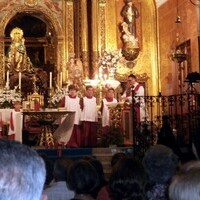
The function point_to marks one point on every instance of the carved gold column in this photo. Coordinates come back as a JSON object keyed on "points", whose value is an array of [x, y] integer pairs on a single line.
{"points": [[84, 38], [102, 26], [95, 54], [2, 62], [69, 34]]}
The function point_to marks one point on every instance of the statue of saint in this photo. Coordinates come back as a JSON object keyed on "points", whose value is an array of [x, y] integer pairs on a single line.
{"points": [[130, 13], [128, 36], [17, 59]]}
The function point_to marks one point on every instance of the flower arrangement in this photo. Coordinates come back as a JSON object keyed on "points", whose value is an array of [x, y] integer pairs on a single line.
{"points": [[108, 64], [110, 59], [8, 97], [57, 96]]}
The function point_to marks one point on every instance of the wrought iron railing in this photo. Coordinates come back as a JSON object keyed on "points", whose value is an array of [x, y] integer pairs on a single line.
{"points": [[183, 115], [182, 111]]}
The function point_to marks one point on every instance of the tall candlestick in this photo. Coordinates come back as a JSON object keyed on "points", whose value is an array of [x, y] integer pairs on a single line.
{"points": [[20, 80], [50, 80], [61, 77]]}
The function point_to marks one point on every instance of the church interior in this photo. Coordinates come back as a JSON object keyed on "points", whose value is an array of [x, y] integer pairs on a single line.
{"points": [[100, 43]]}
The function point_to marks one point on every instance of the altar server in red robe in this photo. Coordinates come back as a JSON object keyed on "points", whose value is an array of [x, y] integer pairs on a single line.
{"points": [[105, 113], [15, 126], [89, 118], [72, 103]]}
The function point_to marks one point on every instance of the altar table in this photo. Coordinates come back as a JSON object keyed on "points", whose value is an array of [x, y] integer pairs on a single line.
{"points": [[5, 120], [47, 120]]}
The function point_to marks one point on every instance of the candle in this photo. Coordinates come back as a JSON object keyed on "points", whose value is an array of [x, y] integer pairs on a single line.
{"points": [[20, 80], [7, 79], [61, 77], [50, 80]]}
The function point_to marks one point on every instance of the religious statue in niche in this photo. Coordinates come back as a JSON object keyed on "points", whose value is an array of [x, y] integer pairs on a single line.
{"points": [[17, 59], [130, 48], [19, 67]]}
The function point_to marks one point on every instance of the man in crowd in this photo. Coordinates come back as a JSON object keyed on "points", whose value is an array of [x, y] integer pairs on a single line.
{"points": [[22, 172]]}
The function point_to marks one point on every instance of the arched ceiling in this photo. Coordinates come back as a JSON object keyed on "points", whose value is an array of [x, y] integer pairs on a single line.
{"points": [[31, 25]]}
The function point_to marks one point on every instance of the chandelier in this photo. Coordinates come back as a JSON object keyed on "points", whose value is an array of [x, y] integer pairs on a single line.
{"points": [[178, 53]]}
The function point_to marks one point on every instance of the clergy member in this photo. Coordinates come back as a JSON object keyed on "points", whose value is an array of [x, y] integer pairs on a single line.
{"points": [[136, 90]]}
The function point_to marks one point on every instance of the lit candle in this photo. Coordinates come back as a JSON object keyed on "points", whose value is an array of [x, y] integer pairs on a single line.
{"points": [[20, 80], [50, 80], [7, 79], [61, 77]]}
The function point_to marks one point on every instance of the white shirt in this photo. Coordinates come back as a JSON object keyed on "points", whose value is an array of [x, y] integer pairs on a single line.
{"points": [[89, 112], [73, 104], [106, 112]]}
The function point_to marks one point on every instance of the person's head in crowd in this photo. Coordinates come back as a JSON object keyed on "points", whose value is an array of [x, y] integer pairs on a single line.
{"points": [[82, 178], [186, 183], [117, 157], [99, 168], [128, 180], [72, 90], [188, 166], [160, 163], [97, 165], [22, 172], [49, 169], [61, 167]]}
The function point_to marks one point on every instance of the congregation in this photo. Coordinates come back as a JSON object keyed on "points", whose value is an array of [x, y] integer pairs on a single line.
{"points": [[158, 176]]}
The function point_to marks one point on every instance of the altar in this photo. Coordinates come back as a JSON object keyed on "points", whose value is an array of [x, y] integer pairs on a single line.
{"points": [[56, 125], [5, 115]]}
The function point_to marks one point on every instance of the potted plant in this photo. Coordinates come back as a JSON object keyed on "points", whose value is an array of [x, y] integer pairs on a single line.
{"points": [[110, 136]]}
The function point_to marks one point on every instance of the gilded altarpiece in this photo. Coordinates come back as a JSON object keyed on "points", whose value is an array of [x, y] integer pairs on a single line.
{"points": [[50, 15], [104, 32]]}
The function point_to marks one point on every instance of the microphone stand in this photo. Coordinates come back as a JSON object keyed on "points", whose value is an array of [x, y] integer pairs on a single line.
{"points": [[134, 121]]}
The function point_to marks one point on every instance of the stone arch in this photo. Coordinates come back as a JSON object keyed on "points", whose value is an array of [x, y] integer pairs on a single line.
{"points": [[41, 13]]}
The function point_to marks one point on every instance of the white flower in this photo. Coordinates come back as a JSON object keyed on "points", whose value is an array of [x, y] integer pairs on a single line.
{"points": [[9, 96], [110, 58], [114, 60], [58, 95]]}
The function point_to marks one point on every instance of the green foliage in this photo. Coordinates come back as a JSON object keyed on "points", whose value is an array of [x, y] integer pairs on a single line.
{"points": [[6, 104], [110, 136]]}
